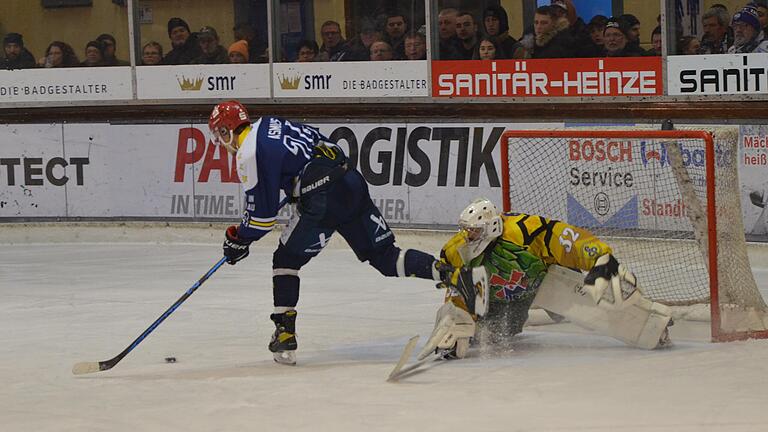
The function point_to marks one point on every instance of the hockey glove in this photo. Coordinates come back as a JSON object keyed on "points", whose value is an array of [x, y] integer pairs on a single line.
{"points": [[446, 274], [235, 248], [607, 273]]}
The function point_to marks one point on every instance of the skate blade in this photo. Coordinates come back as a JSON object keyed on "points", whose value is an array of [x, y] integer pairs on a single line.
{"points": [[287, 358]]}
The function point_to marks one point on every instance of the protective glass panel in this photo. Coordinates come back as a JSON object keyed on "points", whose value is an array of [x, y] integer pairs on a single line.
{"points": [[522, 29], [64, 34], [353, 30], [720, 28], [176, 32]]}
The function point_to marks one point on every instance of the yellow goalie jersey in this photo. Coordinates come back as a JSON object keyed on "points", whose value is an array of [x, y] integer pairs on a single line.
{"points": [[518, 259]]}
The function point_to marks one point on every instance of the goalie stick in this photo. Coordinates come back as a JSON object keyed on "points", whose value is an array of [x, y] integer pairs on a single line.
{"points": [[90, 367], [401, 370], [407, 351]]}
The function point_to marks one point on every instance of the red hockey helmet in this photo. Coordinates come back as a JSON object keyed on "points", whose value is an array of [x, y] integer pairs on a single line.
{"points": [[225, 118]]}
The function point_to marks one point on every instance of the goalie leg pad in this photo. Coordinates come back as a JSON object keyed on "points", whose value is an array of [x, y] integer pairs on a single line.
{"points": [[632, 319], [452, 324]]}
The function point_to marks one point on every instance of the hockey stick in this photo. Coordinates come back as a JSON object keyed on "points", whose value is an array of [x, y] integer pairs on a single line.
{"points": [[90, 367], [403, 358], [401, 370]]}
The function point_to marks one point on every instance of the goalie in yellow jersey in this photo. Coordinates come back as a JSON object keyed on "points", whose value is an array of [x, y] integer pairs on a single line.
{"points": [[507, 262]]}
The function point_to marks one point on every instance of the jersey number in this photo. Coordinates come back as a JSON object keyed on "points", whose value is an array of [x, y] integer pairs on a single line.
{"points": [[303, 142], [567, 243], [294, 145]]}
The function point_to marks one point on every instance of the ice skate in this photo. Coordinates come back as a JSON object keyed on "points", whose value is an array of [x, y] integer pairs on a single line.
{"points": [[283, 344]]}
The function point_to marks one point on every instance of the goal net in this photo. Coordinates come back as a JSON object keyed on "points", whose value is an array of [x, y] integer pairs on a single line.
{"points": [[667, 202]]}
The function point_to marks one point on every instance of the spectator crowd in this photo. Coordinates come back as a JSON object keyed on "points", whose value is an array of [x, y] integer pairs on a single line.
{"points": [[187, 47], [557, 32], [744, 32], [98, 52], [389, 36]]}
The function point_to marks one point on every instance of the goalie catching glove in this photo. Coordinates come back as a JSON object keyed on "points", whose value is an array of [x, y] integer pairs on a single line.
{"points": [[607, 273], [235, 248]]}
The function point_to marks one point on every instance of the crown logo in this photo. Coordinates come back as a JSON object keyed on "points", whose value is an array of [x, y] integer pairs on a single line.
{"points": [[188, 84], [289, 83]]}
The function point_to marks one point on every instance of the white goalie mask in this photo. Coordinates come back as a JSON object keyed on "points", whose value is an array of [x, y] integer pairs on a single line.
{"points": [[481, 224]]}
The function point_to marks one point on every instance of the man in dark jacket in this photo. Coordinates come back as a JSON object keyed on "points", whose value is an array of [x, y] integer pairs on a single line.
{"points": [[257, 48], [718, 36], [185, 45], [110, 47], [548, 40], [632, 31], [496, 25], [395, 28], [449, 41], [582, 42], [359, 47], [466, 31], [617, 42], [16, 56], [212, 51]]}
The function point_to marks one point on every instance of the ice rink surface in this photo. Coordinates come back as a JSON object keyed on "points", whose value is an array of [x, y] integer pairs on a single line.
{"points": [[64, 303]]}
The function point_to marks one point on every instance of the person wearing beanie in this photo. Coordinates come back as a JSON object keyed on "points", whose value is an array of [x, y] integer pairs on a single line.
{"points": [[16, 56], [94, 54], [185, 46], [616, 39], [238, 52], [747, 32], [496, 24]]}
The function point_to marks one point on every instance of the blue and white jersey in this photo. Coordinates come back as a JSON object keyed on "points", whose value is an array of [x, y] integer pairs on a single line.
{"points": [[269, 159]]}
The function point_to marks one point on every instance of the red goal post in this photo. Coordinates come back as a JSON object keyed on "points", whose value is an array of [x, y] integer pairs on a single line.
{"points": [[673, 187]]}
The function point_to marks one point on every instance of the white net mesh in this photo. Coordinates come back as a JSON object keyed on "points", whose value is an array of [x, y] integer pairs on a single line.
{"points": [[741, 306], [646, 195]]}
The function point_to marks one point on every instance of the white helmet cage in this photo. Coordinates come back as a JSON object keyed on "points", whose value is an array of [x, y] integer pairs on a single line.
{"points": [[482, 224]]}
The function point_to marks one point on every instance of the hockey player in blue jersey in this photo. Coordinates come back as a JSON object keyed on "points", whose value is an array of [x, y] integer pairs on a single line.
{"points": [[274, 155]]}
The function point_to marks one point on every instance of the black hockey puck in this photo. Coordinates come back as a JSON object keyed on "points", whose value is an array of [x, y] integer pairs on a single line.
{"points": [[170, 359]]}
